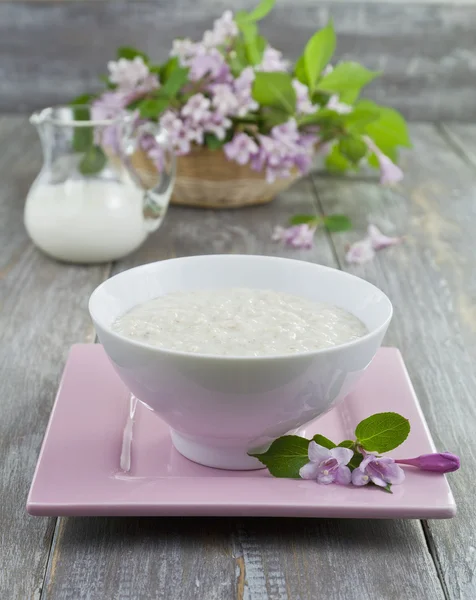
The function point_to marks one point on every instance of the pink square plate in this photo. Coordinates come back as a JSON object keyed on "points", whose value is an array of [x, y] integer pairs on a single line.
{"points": [[79, 473]]}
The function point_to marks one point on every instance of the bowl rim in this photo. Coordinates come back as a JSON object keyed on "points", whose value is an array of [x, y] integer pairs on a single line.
{"points": [[202, 356]]}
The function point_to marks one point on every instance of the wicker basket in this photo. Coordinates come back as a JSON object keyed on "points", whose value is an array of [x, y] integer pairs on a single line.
{"points": [[207, 179]]}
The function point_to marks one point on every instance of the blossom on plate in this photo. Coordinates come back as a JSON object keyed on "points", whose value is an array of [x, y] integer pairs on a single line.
{"points": [[441, 462], [379, 470], [327, 466]]}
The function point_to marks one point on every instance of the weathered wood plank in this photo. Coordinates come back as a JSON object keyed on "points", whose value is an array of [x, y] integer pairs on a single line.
{"points": [[42, 312], [463, 138], [247, 559], [432, 283], [53, 51]]}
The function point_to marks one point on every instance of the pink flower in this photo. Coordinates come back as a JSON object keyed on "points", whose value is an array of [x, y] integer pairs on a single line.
{"points": [[364, 250], [389, 172], [241, 148], [297, 236], [224, 99], [441, 462], [197, 108], [327, 466], [218, 125], [303, 102], [210, 63], [379, 470], [129, 74], [338, 107], [223, 30], [273, 61]]}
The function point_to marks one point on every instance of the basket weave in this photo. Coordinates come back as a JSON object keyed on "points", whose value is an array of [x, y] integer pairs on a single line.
{"points": [[207, 179]]}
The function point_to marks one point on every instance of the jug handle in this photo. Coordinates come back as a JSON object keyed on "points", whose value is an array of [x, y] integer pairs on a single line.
{"points": [[157, 197]]}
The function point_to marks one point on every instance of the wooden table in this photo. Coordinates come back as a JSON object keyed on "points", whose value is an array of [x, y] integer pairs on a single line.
{"points": [[431, 280]]}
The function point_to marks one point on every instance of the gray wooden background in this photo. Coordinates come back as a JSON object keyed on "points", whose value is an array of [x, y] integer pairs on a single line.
{"points": [[53, 51]]}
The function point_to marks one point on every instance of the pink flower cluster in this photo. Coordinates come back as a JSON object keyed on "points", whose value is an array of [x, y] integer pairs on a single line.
{"points": [[285, 149]]}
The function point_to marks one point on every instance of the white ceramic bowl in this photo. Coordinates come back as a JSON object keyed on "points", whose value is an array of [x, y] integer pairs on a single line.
{"points": [[219, 408]]}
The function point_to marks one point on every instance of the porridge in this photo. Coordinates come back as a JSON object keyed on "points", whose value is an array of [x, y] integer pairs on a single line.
{"points": [[238, 322]]}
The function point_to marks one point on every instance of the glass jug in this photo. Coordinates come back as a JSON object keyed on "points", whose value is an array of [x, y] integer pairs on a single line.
{"points": [[104, 185]]}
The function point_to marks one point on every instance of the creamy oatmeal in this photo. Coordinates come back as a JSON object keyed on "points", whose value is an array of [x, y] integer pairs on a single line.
{"points": [[238, 322]]}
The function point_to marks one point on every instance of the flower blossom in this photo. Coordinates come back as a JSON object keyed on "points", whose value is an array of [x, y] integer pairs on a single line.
{"points": [[197, 108], [441, 462], [132, 75], [297, 236], [272, 60], [389, 171], [224, 29], [380, 470], [364, 250], [327, 466], [241, 148], [304, 105], [337, 106]]}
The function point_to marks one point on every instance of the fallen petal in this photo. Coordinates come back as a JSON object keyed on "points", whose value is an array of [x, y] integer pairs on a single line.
{"points": [[278, 234], [379, 240], [360, 252]]}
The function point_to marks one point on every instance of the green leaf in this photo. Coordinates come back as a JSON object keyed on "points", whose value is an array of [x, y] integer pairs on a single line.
{"points": [[388, 131], [300, 70], [212, 142], [302, 219], [285, 456], [323, 441], [263, 8], [346, 444], [353, 148], [167, 69], [317, 54], [130, 53], [151, 108], [388, 488], [82, 136], [175, 81], [347, 77], [81, 101], [336, 223], [324, 117], [93, 161], [250, 36], [359, 118], [275, 89], [335, 162], [273, 116], [107, 83], [382, 432]]}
